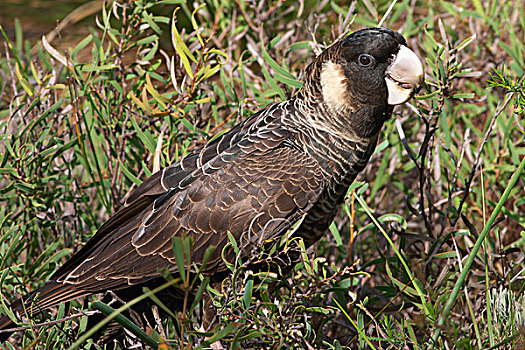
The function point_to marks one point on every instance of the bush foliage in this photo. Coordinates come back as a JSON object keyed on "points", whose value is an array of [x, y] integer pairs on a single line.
{"points": [[428, 248]]}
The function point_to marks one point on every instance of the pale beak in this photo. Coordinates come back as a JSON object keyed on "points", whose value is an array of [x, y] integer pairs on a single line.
{"points": [[403, 76]]}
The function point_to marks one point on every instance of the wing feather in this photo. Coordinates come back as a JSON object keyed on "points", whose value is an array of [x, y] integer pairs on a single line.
{"points": [[248, 182]]}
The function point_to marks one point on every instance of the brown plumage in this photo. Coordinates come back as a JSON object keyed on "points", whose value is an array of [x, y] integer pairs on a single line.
{"points": [[291, 161]]}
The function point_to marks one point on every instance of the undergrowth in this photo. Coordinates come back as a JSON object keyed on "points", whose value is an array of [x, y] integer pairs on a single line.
{"points": [[427, 250]]}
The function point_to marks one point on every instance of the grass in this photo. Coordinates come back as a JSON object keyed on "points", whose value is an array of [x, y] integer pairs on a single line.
{"points": [[427, 251]]}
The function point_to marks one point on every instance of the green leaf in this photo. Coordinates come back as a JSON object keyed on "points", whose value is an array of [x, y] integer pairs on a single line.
{"points": [[282, 74], [335, 233], [218, 335], [379, 148], [82, 44], [152, 52], [146, 139], [275, 88], [180, 47], [126, 323], [147, 40], [149, 20], [91, 68], [195, 25], [248, 289], [290, 82], [11, 171], [129, 175], [233, 242], [466, 95], [171, 2], [178, 251], [445, 255], [198, 296], [402, 286], [322, 310]]}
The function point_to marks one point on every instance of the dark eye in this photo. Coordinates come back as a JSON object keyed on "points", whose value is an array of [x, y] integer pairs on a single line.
{"points": [[365, 60]]}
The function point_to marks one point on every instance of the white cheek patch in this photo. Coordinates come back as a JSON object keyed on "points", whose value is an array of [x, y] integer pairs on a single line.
{"points": [[333, 83]]}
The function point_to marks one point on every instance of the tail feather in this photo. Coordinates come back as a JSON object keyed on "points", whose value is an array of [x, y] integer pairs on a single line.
{"points": [[52, 293], [5, 323]]}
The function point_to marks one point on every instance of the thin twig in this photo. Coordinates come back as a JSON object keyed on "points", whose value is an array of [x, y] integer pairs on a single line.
{"points": [[478, 156], [473, 253], [48, 323]]}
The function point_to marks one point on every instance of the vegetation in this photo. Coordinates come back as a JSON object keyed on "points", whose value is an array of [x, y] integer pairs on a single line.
{"points": [[427, 251]]}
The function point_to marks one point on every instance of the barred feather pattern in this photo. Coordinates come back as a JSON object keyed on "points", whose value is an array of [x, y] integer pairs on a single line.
{"points": [[292, 161]]}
